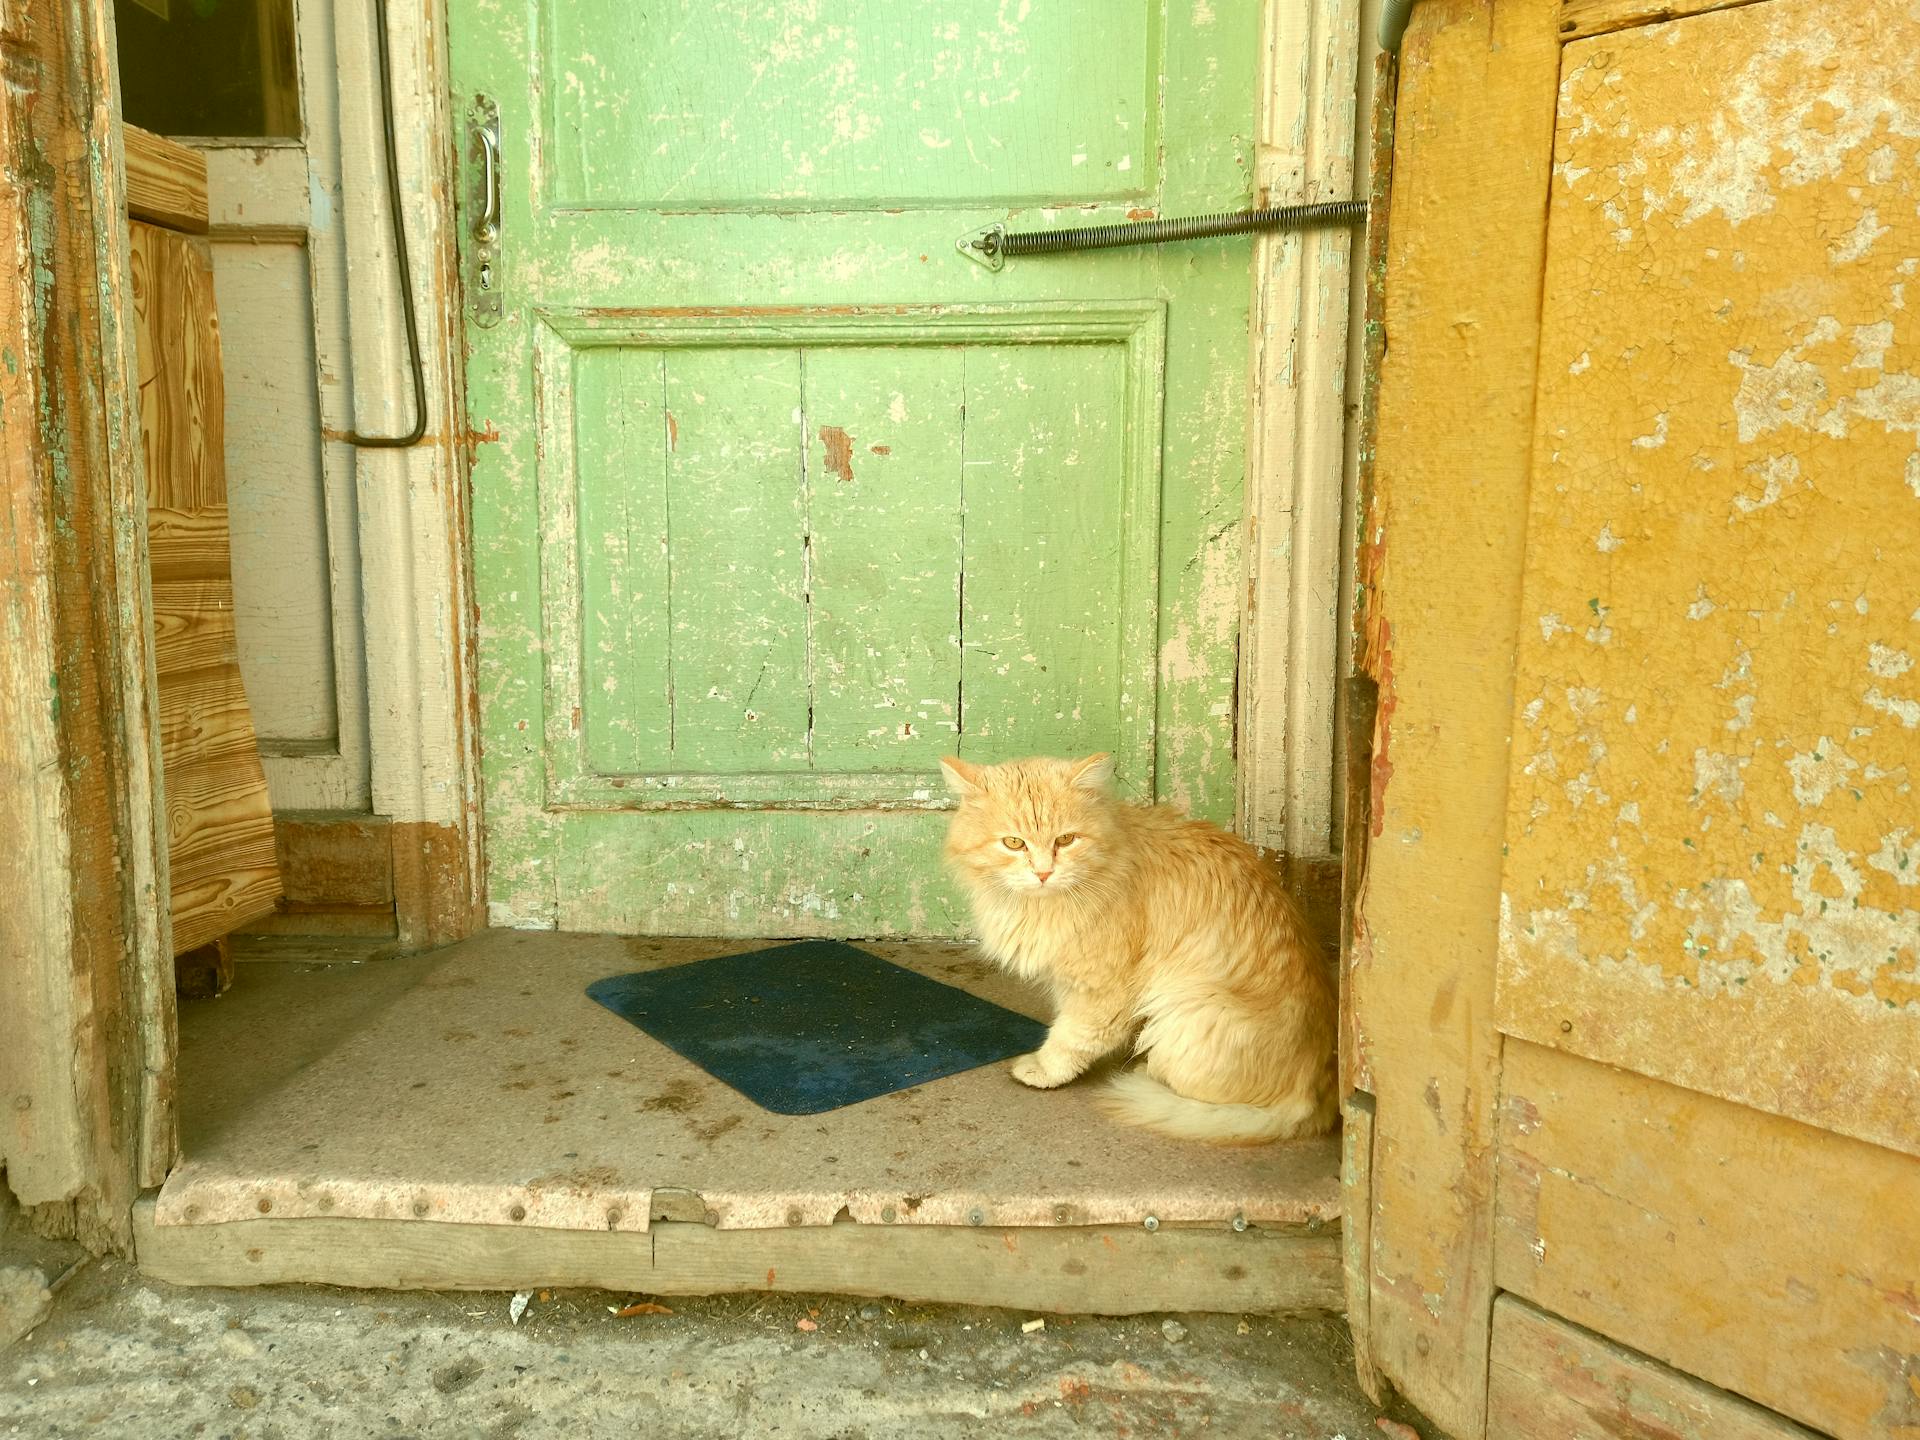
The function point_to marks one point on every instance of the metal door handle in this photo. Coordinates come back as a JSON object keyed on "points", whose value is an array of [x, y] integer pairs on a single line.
{"points": [[488, 225], [484, 272]]}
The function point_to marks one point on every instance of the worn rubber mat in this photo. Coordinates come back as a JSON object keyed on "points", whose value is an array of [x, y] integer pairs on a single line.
{"points": [[805, 1028]]}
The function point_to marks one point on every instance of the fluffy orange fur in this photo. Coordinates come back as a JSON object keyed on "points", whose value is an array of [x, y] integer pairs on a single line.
{"points": [[1154, 928]]}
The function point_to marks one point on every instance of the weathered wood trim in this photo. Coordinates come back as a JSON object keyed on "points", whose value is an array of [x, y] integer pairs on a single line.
{"points": [[1553, 1381], [1441, 565], [1097, 1270], [1581, 18], [166, 182], [1765, 1256], [416, 564], [1299, 433], [92, 1066], [1356, 1233]]}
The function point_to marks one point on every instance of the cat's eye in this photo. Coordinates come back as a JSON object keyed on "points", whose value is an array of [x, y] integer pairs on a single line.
{"points": [[1060, 842], [1013, 842]]}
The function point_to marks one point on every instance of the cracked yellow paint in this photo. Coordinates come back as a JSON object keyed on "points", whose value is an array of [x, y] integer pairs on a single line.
{"points": [[1713, 874]]}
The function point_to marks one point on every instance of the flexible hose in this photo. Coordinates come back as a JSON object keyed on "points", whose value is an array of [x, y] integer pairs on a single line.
{"points": [[1393, 24], [1199, 227], [413, 436]]}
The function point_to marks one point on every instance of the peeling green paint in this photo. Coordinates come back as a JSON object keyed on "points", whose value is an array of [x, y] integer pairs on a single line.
{"points": [[788, 498]]}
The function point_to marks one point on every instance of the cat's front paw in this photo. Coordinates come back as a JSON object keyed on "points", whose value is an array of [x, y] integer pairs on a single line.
{"points": [[1038, 1071]]}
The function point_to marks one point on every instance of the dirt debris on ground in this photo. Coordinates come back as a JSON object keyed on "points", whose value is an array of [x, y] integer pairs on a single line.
{"points": [[123, 1356]]}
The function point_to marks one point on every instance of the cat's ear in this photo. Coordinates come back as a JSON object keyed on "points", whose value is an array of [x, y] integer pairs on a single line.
{"points": [[1094, 773], [962, 779]]}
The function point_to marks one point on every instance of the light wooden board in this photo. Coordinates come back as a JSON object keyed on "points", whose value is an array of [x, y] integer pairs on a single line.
{"points": [[1580, 18], [1553, 1381], [1713, 870], [166, 182], [1442, 563], [220, 828], [1762, 1255], [1092, 1271]]}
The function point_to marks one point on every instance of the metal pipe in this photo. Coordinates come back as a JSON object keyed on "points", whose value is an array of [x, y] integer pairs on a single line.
{"points": [[995, 243]]}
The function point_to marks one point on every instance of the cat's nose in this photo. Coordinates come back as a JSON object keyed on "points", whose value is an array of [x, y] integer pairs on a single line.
{"points": [[1041, 875]]}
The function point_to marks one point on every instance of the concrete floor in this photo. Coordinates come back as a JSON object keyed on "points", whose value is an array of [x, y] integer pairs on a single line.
{"points": [[481, 1082], [122, 1356]]}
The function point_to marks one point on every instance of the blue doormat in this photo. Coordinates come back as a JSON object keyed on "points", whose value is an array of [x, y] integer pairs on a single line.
{"points": [[805, 1028]]}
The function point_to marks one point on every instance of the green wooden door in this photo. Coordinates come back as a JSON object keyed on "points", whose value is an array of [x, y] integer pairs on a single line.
{"points": [[789, 498]]}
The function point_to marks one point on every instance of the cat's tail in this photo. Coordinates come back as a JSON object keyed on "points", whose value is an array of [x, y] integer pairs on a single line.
{"points": [[1136, 1098]]}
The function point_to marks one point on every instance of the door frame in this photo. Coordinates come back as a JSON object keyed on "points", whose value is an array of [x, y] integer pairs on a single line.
{"points": [[416, 556]]}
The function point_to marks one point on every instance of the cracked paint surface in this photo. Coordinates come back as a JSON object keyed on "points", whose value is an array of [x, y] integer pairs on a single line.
{"points": [[1714, 866], [739, 589]]}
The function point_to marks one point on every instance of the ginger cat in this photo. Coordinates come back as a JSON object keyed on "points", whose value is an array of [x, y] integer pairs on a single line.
{"points": [[1140, 919]]}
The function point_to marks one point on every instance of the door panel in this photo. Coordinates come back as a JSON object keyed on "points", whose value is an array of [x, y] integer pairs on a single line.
{"points": [[849, 105], [1713, 870], [789, 498]]}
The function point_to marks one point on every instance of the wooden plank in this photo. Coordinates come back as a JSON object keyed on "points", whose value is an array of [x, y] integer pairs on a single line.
{"points": [[1764, 1256], [166, 182], [736, 537], [220, 826], [1299, 434], [1554, 1381], [625, 567], [1445, 540], [88, 988], [203, 973], [1068, 1270], [334, 859], [883, 515], [1046, 556], [1581, 18], [1356, 1234], [1712, 873]]}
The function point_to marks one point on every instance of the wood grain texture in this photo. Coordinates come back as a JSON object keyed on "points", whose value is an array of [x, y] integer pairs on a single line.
{"points": [[1580, 18], [1095, 1270], [1445, 541], [334, 859], [1299, 434], [166, 182], [1712, 874], [1762, 1255], [1553, 1381], [219, 823], [88, 987]]}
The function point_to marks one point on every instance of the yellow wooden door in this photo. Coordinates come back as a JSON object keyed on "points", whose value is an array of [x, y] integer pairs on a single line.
{"points": [[1636, 1002]]}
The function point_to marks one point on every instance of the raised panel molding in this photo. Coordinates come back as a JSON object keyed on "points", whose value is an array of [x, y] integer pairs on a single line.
{"points": [[829, 761]]}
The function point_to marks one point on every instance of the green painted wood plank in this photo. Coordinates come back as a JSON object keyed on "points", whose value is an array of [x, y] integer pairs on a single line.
{"points": [[1044, 531], [620, 478], [883, 475], [737, 550], [741, 104]]}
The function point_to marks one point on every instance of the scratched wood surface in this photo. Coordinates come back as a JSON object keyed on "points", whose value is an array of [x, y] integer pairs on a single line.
{"points": [[1445, 541], [219, 824], [1764, 1256], [789, 498], [1553, 1381], [1713, 872], [166, 182]]}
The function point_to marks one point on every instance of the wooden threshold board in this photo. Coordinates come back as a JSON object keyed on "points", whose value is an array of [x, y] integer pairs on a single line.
{"points": [[1079, 1270]]}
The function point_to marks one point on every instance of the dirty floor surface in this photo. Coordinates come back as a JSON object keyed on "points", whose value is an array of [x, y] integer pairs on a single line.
{"points": [[481, 1083], [121, 1356]]}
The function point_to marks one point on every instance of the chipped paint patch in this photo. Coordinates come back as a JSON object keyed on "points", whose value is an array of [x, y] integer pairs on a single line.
{"points": [[1710, 815]]}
